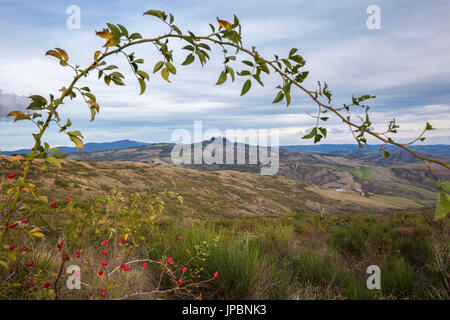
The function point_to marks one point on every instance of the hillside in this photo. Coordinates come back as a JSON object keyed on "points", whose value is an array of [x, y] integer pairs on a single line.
{"points": [[208, 194], [396, 183]]}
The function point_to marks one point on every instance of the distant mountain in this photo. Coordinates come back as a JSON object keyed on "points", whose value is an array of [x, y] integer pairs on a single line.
{"points": [[92, 147], [342, 148]]}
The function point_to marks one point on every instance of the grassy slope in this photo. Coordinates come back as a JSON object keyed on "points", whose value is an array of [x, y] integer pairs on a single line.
{"points": [[218, 193]]}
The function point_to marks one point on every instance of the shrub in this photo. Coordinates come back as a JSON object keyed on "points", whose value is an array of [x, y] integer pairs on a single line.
{"points": [[398, 279]]}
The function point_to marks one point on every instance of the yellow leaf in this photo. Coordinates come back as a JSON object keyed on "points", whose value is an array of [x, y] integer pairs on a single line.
{"points": [[96, 55], [111, 42], [15, 113], [36, 232], [54, 53], [224, 24], [105, 34], [77, 141], [165, 74], [63, 54]]}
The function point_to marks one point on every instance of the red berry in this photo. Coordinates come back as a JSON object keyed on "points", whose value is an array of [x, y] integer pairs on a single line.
{"points": [[12, 175], [13, 225], [126, 268], [100, 273], [180, 282], [24, 247], [105, 243], [25, 221], [123, 240], [184, 269], [102, 294], [179, 238], [104, 252], [144, 265], [170, 260], [69, 199], [11, 247], [104, 263], [103, 289], [46, 285], [122, 265], [29, 283], [59, 245], [216, 274], [53, 204], [29, 264]]}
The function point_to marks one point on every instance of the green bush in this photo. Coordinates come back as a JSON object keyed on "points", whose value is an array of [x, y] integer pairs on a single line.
{"points": [[349, 240], [398, 279]]}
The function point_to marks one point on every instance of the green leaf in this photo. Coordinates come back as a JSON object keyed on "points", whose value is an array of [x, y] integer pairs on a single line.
{"points": [[249, 63], [171, 68], [386, 154], [135, 36], [279, 97], [177, 30], [247, 85], [443, 206], [35, 106], [205, 46], [222, 78], [123, 29], [110, 67], [445, 185], [142, 84], [143, 74], [92, 113], [38, 99], [292, 52], [54, 161], [311, 134], [317, 138], [157, 13], [189, 59], [323, 131], [429, 127], [231, 72], [165, 74], [75, 133], [189, 47], [90, 96], [158, 66], [118, 82]]}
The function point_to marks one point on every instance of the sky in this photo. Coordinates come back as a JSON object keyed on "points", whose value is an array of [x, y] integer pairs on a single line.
{"points": [[405, 64]]}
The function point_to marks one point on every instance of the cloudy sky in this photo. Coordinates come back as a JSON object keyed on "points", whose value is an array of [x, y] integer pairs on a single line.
{"points": [[406, 64]]}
